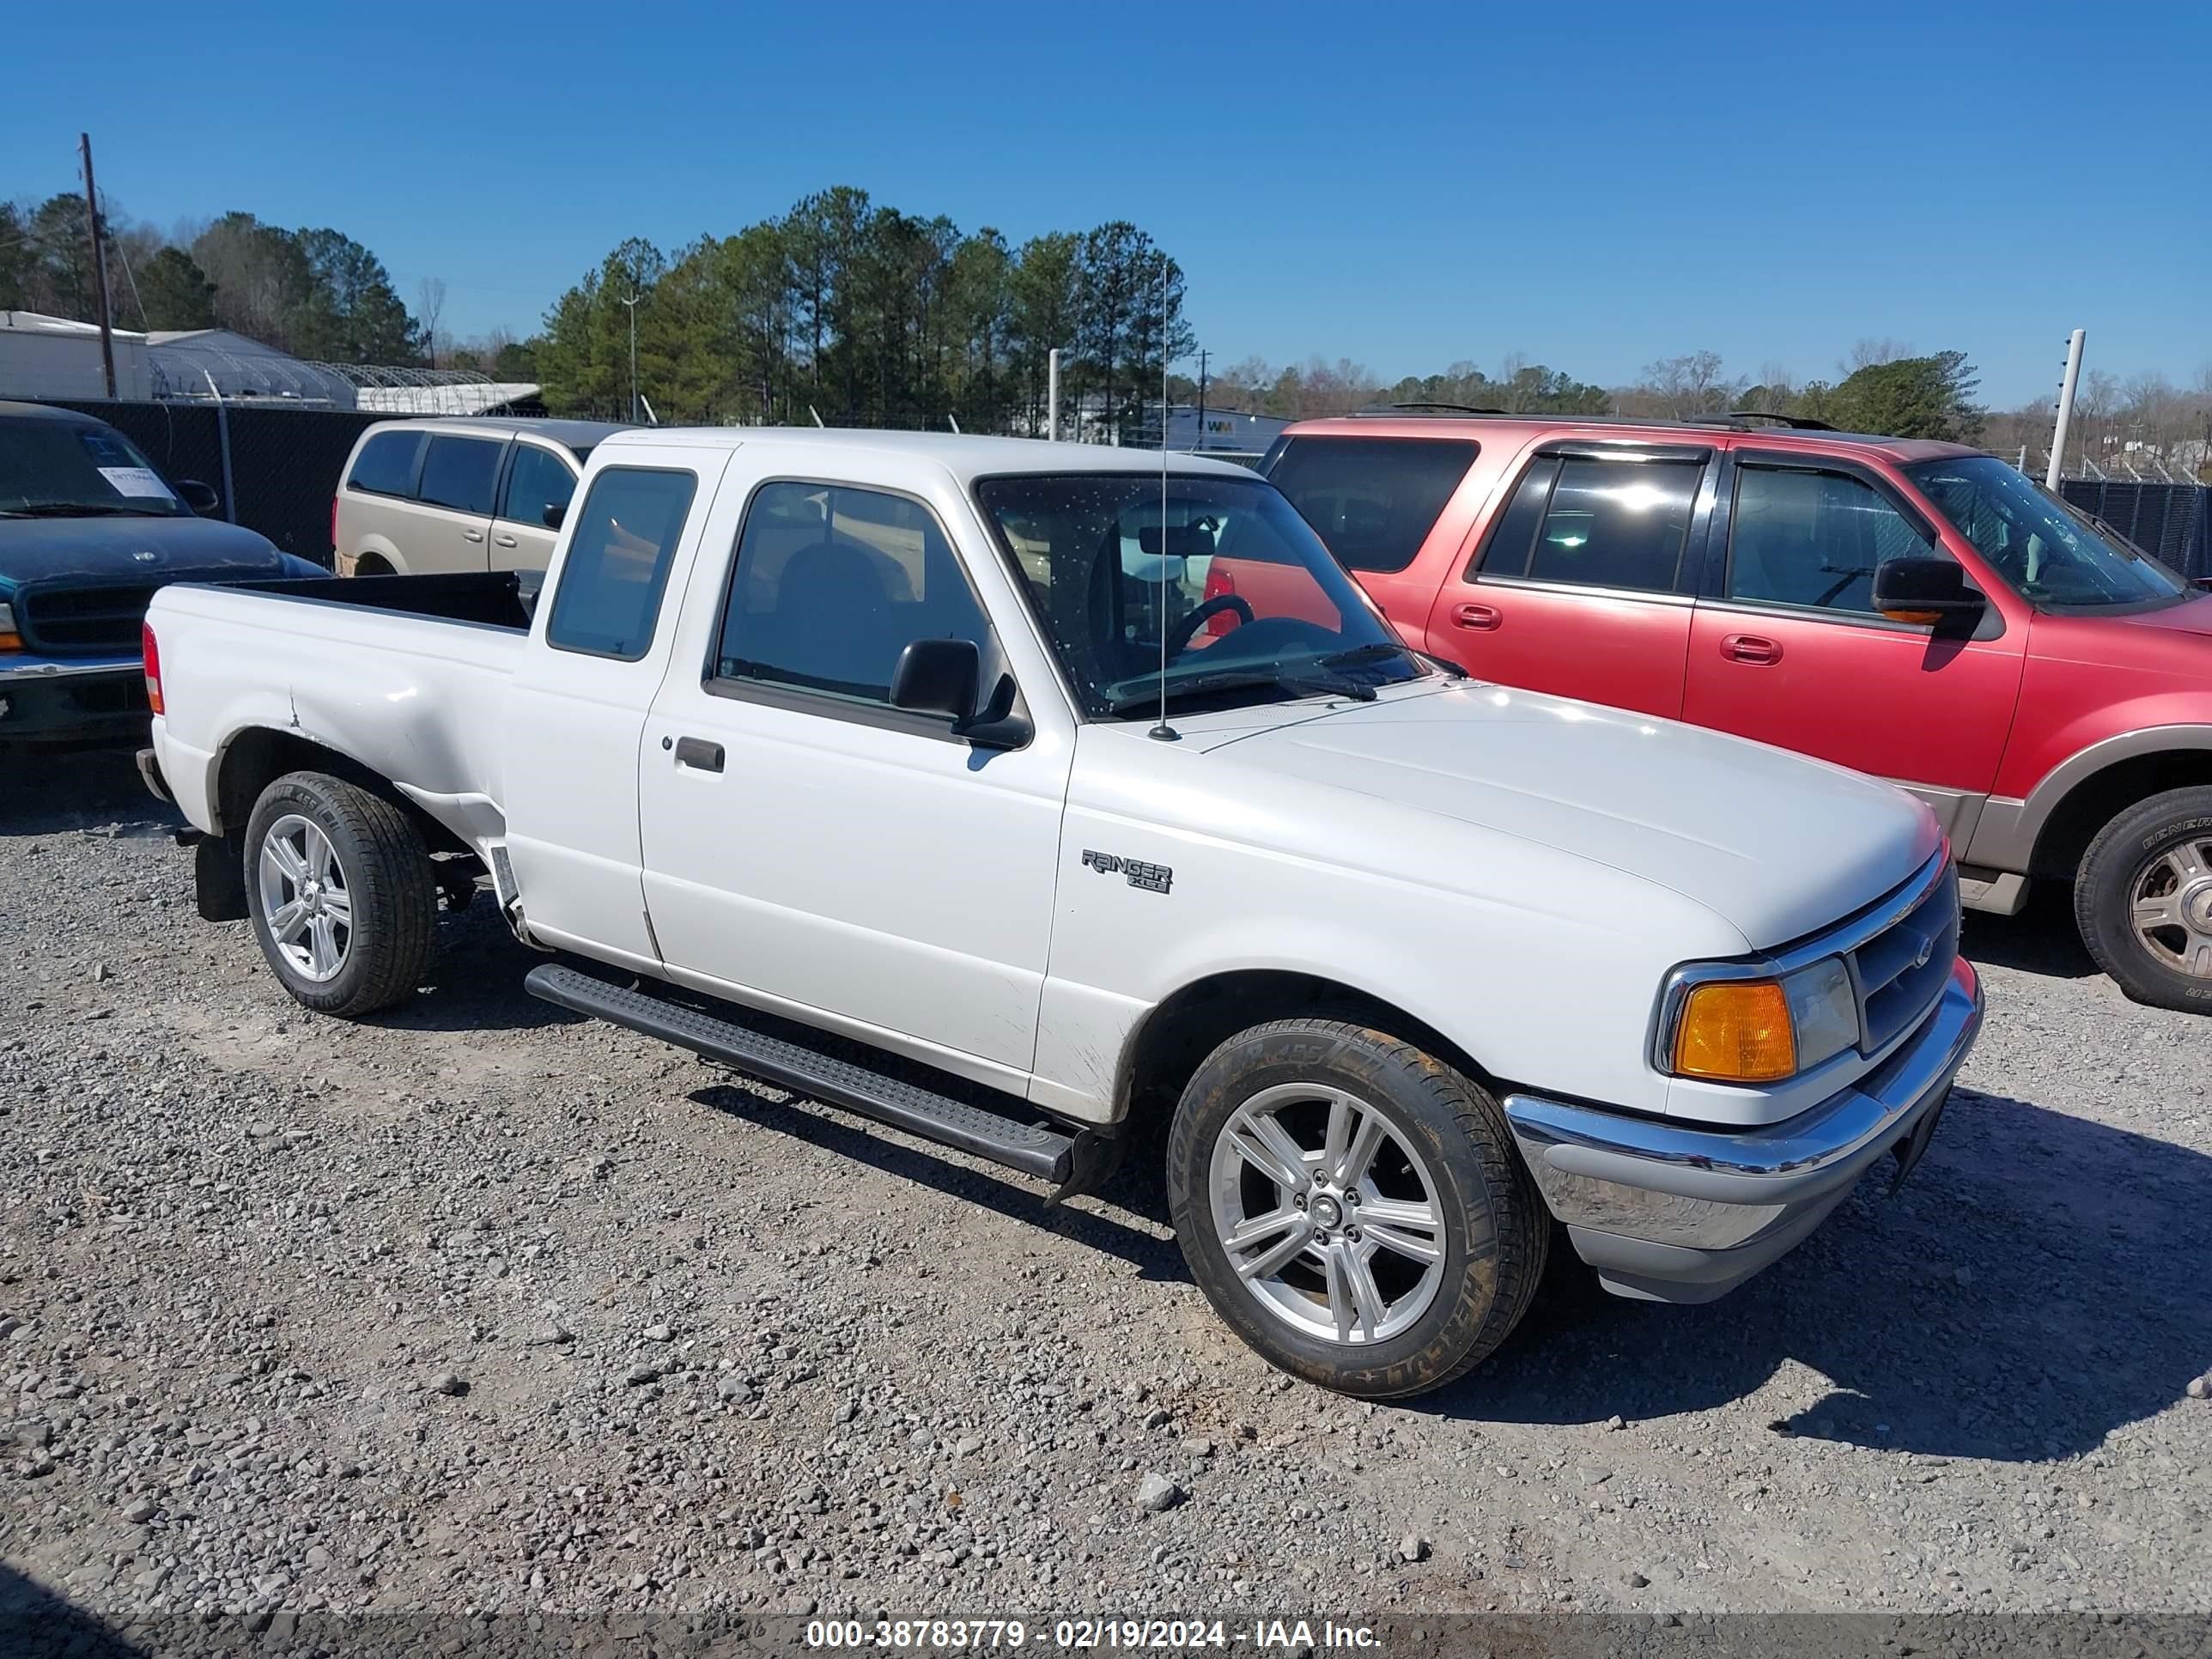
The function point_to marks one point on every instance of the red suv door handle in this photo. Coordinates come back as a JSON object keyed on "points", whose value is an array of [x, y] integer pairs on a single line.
{"points": [[1755, 648], [1483, 618]]}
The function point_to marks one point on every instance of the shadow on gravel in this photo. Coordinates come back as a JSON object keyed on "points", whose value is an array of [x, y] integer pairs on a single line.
{"points": [[2041, 939], [35, 1620], [2038, 1285], [1153, 1257], [44, 795]]}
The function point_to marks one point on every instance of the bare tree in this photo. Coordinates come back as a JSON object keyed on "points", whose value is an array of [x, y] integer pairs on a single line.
{"points": [[1871, 354], [429, 305], [1691, 387]]}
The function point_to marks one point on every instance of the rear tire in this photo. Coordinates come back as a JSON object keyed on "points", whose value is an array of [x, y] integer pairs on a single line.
{"points": [[2142, 899], [341, 894], [1379, 1277]]}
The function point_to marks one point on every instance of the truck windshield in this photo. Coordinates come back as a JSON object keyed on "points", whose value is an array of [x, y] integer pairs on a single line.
{"points": [[63, 470], [1223, 574], [2054, 557]]}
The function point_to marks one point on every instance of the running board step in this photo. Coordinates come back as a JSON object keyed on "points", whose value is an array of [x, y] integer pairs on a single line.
{"points": [[1031, 1148]]}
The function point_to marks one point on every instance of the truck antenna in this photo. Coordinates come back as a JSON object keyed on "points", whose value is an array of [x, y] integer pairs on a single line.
{"points": [[1163, 732]]}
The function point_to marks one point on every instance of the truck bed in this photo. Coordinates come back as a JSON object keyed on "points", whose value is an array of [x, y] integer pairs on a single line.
{"points": [[496, 599], [408, 676]]}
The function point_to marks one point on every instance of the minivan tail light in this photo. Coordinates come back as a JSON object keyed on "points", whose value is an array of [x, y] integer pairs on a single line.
{"points": [[1220, 585], [153, 650]]}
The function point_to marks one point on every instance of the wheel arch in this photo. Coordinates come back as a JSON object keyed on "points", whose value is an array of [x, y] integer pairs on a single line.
{"points": [[1179, 1031], [2091, 801], [255, 757]]}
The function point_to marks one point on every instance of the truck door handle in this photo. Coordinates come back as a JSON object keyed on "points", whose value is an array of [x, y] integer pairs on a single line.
{"points": [[1480, 618], [699, 754], [1753, 648], [472, 535], [504, 541]]}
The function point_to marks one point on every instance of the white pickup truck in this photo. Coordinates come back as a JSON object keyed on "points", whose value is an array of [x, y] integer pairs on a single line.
{"points": [[922, 742]]}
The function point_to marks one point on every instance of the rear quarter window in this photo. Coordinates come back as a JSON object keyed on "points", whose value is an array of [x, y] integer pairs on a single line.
{"points": [[609, 597], [385, 465], [1372, 501]]}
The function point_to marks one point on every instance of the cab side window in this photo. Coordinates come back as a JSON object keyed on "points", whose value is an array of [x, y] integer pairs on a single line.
{"points": [[831, 584], [1810, 539], [609, 597]]}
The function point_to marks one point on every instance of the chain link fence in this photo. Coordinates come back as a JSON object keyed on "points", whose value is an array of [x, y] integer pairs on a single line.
{"points": [[275, 470], [2172, 521]]}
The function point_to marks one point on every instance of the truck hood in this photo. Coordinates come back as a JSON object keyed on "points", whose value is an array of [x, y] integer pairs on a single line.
{"points": [[1778, 845], [39, 549]]}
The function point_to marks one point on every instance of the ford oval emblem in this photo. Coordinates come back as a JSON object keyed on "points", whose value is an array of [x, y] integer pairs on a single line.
{"points": [[146, 555], [1927, 950]]}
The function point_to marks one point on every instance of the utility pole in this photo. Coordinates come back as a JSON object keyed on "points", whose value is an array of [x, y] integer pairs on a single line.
{"points": [[632, 303], [2066, 388], [1199, 441], [99, 263], [1052, 396]]}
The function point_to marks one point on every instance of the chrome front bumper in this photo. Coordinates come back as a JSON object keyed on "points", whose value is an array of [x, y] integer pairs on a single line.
{"points": [[1680, 1214]]}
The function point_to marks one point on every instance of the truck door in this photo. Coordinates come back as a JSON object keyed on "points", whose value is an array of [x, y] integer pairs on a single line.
{"points": [[810, 849], [1787, 647], [1583, 584], [600, 643]]}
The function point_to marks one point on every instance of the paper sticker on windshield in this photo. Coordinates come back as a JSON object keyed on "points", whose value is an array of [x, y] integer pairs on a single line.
{"points": [[136, 481]]}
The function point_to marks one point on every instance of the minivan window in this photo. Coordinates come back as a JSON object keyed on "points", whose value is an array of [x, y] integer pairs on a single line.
{"points": [[1373, 500], [831, 584], [1601, 523], [609, 597], [537, 480], [385, 465], [459, 473]]}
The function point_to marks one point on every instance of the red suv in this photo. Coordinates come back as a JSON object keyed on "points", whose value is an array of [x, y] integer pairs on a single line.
{"points": [[1918, 610]]}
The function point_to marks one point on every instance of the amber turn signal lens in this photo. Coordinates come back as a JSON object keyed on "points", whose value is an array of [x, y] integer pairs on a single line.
{"points": [[1736, 1031]]}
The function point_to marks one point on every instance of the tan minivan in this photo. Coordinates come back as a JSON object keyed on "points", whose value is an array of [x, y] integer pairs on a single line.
{"points": [[474, 493]]}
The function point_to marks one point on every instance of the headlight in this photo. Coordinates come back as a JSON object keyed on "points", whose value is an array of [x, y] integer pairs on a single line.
{"points": [[9, 638], [1762, 1031]]}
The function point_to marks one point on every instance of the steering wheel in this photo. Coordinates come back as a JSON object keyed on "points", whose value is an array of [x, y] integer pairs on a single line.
{"points": [[1181, 635]]}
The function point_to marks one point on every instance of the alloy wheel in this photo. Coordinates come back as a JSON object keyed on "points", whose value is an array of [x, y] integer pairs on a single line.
{"points": [[1327, 1213], [2170, 906], [304, 898]]}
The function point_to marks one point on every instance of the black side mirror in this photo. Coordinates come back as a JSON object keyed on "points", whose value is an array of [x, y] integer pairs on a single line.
{"points": [[940, 677], [937, 676], [201, 498], [1924, 591], [555, 514]]}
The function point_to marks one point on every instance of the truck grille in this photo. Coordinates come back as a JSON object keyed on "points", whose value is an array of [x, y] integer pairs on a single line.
{"points": [[84, 618], [1900, 971]]}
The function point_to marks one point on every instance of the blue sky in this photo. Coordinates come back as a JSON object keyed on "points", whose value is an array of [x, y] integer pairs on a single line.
{"points": [[1403, 184]]}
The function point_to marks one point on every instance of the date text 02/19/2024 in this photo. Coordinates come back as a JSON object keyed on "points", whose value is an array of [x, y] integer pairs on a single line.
{"points": [[1089, 1635]]}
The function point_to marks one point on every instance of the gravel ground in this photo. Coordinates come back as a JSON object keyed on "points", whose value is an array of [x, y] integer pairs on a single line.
{"points": [[481, 1307]]}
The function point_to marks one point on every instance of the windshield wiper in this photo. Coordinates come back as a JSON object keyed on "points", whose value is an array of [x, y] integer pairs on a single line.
{"points": [[80, 510], [1381, 649], [1232, 679]]}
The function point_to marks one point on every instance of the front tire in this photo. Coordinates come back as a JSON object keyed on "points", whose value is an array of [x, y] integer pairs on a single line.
{"points": [[2142, 899], [341, 894], [1354, 1208]]}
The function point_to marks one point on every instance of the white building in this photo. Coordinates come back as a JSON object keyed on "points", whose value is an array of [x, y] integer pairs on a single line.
{"points": [[43, 356]]}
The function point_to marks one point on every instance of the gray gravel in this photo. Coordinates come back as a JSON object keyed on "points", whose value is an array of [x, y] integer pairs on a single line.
{"points": [[479, 1307]]}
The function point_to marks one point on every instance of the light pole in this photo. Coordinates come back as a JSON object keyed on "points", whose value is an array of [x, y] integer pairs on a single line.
{"points": [[632, 304]]}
